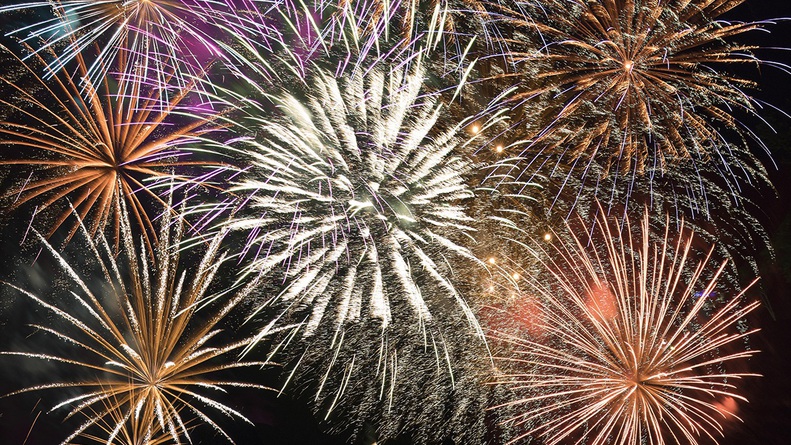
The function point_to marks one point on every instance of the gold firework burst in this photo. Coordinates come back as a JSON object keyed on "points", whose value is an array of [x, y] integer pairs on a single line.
{"points": [[147, 342], [634, 84], [632, 342]]}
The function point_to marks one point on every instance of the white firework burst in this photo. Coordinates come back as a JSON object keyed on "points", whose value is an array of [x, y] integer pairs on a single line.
{"points": [[151, 37]]}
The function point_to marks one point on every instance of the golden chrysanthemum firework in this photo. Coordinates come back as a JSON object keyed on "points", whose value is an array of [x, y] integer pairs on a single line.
{"points": [[633, 340], [91, 146], [145, 344], [634, 84]]}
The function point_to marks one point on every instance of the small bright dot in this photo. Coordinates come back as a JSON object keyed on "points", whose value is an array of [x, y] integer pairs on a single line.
{"points": [[491, 288], [475, 129], [547, 237], [491, 260], [499, 149], [628, 65]]}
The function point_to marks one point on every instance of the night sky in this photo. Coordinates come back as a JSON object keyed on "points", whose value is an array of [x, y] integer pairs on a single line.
{"points": [[282, 420], [767, 417]]}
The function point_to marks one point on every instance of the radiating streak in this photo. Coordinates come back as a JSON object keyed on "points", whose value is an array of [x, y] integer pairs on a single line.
{"points": [[150, 365], [627, 353], [98, 144], [149, 35]]}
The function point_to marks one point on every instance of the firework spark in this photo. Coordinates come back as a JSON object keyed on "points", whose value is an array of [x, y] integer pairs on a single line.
{"points": [[376, 27], [149, 34], [351, 33], [356, 197], [113, 424], [96, 145], [635, 84], [355, 207], [146, 341], [713, 206], [631, 345]]}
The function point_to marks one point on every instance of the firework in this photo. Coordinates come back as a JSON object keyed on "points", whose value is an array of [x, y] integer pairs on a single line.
{"points": [[354, 203], [148, 35], [113, 424], [357, 198], [146, 342], [718, 205], [630, 342], [340, 34], [631, 84], [96, 145], [424, 383], [258, 39]]}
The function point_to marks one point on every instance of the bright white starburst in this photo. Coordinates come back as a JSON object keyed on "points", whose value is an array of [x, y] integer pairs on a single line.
{"points": [[358, 198]]}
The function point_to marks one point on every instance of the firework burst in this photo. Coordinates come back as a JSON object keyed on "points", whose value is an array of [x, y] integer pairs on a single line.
{"points": [[633, 84], [371, 195], [96, 145], [354, 203], [630, 342], [150, 35], [146, 342]]}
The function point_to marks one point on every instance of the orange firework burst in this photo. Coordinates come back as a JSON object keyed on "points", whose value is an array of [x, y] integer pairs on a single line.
{"points": [[95, 145], [632, 83], [632, 343]]}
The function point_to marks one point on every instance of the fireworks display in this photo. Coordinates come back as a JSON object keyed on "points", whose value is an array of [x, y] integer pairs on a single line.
{"points": [[421, 212], [634, 345]]}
